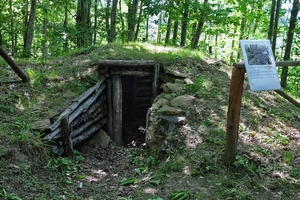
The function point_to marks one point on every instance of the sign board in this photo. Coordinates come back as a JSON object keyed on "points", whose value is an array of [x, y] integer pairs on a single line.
{"points": [[260, 65]]}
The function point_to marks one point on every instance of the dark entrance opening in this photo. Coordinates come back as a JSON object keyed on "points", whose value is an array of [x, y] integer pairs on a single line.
{"points": [[137, 99]]}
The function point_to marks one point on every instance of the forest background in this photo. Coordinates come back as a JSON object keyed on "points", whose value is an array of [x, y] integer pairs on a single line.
{"points": [[46, 29]]}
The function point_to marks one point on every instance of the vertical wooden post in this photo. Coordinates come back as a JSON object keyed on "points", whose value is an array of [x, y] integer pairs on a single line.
{"points": [[117, 108], [109, 109], [233, 114], [66, 132]]}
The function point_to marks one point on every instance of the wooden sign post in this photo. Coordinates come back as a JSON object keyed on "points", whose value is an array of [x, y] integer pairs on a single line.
{"points": [[234, 106], [233, 114]]}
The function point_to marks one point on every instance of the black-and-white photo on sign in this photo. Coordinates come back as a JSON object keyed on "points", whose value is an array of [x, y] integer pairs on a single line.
{"points": [[260, 65]]}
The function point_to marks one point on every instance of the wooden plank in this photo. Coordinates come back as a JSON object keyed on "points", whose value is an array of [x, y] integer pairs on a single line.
{"points": [[127, 63], [74, 106], [233, 114], [117, 109], [278, 64], [66, 132], [289, 98], [109, 109], [130, 73]]}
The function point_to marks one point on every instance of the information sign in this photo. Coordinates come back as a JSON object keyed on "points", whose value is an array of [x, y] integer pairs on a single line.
{"points": [[260, 65]]}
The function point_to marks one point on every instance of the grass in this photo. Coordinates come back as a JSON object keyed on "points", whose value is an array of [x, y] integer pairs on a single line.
{"points": [[267, 153]]}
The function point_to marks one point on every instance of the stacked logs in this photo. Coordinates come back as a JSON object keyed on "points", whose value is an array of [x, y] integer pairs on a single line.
{"points": [[84, 117]]}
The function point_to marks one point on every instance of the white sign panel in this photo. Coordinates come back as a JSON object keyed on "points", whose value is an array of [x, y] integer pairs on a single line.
{"points": [[260, 65]]}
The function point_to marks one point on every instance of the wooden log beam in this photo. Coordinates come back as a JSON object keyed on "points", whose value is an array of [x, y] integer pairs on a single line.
{"points": [[233, 114], [127, 63], [13, 65], [82, 128], [130, 73], [117, 109], [278, 64], [74, 105], [67, 141], [109, 109], [86, 134], [288, 97]]}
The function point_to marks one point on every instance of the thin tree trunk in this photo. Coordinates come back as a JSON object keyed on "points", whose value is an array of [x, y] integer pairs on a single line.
{"points": [[107, 24], [159, 28], [30, 30], [184, 23], [65, 26], [147, 29], [242, 30], [271, 24], [95, 22], [122, 22], [25, 23], [275, 26], [175, 32], [289, 41], [139, 21], [168, 33], [132, 11], [199, 26], [113, 20], [12, 34]]}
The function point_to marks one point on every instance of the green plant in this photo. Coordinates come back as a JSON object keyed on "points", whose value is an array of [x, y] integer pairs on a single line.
{"points": [[287, 157], [127, 181], [63, 165], [243, 162], [7, 196], [179, 195]]}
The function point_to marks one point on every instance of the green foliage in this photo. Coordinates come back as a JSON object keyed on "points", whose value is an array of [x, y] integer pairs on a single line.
{"points": [[179, 195], [127, 181], [64, 165], [9, 196]]}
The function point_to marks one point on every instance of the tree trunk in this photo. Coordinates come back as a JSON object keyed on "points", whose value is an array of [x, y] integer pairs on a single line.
{"points": [[139, 20], [132, 11], [83, 23], [275, 26], [65, 26], [159, 28], [289, 41], [168, 33], [95, 22], [12, 34], [199, 26], [25, 23], [30, 30], [271, 24], [147, 29], [242, 30], [184, 23], [122, 22], [107, 24], [113, 20], [175, 32]]}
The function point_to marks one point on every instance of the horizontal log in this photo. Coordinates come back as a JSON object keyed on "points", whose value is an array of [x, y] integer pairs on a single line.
{"points": [[84, 117], [131, 73], [240, 65], [75, 104], [85, 105], [86, 134], [127, 63], [59, 148], [289, 98], [56, 130], [82, 128]]}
